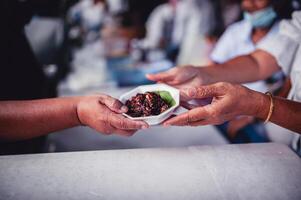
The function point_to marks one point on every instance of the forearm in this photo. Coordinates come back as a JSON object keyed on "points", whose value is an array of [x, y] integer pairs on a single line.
{"points": [[286, 113], [249, 68], [239, 70], [27, 119]]}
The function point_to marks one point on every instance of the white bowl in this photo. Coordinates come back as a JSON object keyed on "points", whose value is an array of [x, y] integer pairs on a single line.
{"points": [[158, 119]]}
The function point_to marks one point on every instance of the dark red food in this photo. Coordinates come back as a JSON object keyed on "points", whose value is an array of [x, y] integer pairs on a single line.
{"points": [[144, 105]]}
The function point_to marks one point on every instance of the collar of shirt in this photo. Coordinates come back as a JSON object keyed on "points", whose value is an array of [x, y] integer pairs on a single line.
{"points": [[246, 31]]}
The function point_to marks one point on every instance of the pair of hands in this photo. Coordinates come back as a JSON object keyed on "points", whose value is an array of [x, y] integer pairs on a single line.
{"points": [[228, 100], [104, 113]]}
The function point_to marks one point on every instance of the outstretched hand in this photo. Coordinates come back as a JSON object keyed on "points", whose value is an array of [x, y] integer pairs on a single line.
{"points": [[180, 77]]}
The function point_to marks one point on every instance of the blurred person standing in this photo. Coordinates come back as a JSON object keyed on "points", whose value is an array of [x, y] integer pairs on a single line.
{"points": [[260, 24], [164, 28], [201, 21], [87, 17], [21, 76], [173, 25]]}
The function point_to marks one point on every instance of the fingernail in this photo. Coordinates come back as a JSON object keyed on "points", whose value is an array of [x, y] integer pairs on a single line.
{"points": [[124, 109]]}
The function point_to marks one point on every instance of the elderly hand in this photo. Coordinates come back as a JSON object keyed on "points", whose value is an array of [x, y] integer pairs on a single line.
{"points": [[180, 77], [229, 101], [104, 114]]}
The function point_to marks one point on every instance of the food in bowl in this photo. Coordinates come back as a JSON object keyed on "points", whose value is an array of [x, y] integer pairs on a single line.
{"points": [[170, 95], [149, 104]]}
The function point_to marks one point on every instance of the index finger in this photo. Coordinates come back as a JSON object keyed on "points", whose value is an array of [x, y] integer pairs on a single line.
{"points": [[189, 117], [161, 77], [202, 92], [120, 122]]}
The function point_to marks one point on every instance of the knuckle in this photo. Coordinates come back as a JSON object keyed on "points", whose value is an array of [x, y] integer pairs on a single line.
{"points": [[215, 113], [188, 118], [224, 86], [221, 85], [123, 124], [192, 118]]}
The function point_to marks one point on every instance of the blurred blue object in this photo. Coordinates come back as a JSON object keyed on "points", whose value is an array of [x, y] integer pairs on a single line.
{"points": [[127, 73]]}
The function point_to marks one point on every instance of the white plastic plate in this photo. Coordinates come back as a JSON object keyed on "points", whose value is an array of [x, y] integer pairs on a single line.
{"points": [[158, 119]]}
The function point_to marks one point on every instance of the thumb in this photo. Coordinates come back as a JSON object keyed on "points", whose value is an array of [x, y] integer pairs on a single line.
{"points": [[203, 91]]}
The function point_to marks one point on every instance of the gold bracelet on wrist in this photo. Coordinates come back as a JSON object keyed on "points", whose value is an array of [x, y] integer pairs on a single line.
{"points": [[271, 109]]}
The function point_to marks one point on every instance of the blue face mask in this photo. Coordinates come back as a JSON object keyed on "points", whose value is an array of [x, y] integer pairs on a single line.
{"points": [[261, 19]]}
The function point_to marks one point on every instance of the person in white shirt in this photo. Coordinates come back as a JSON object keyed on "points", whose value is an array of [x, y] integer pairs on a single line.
{"points": [[231, 100], [260, 24], [242, 38], [170, 25]]}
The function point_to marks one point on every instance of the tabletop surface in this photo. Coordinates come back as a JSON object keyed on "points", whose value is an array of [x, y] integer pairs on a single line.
{"points": [[253, 171]]}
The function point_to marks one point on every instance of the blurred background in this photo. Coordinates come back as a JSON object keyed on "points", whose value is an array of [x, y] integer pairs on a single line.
{"points": [[87, 46]]}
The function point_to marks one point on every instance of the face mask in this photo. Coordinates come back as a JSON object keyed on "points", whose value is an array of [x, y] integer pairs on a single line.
{"points": [[261, 19]]}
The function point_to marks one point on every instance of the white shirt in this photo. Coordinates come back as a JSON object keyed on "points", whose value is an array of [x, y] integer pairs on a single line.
{"points": [[236, 41], [285, 47], [189, 14], [91, 14], [158, 18]]}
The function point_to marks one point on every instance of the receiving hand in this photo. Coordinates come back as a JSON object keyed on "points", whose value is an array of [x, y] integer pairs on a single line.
{"points": [[104, 114], [229, 101], [180, 77]]}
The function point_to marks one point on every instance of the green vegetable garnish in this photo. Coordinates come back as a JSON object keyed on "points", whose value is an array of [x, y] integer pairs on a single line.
{"points": [[166, 96]]}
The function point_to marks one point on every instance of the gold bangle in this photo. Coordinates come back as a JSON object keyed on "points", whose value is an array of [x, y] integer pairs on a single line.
{"points": [[272, 105]]}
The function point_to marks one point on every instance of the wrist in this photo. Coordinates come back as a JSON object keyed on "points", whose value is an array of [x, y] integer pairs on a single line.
{"points": [[204, 75], [76, 110], [261, 105]]}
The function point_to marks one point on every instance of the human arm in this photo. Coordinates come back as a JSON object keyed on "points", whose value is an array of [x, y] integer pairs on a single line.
{"points": [[28, 119], [256, 66], [230, 101], [270, 55]]}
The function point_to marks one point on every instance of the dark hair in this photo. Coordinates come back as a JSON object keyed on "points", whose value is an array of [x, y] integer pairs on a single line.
{"points": [[284, 8]]}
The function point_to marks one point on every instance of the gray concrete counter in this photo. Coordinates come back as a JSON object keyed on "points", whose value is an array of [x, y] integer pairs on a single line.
{"points": [[255, 171]]}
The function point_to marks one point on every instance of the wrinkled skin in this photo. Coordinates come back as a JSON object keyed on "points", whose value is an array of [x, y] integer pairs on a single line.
{"points": [[229, 101]]}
